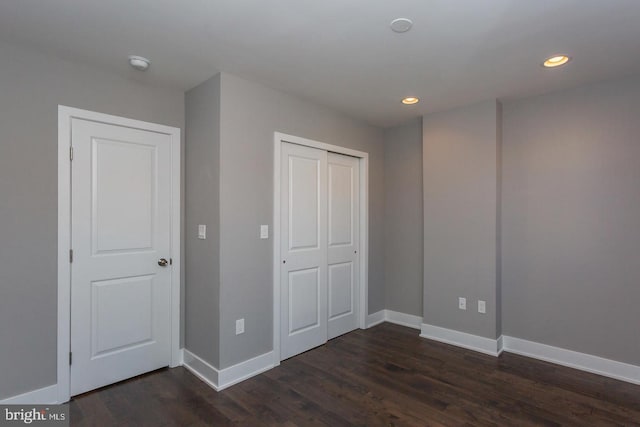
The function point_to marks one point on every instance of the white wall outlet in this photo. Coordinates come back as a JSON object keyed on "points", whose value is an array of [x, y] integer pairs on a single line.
{"points": [[264, 231], [462, 303], [202, 231], [239, 326], [482, 306]]}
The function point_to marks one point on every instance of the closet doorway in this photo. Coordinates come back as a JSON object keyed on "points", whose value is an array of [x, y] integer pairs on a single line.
{"points": [[320, 242]]}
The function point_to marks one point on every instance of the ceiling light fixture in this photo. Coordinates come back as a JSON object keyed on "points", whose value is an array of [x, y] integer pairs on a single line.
{"points": [[556, 61], [139, 63], [410, 100], [401, 25]]}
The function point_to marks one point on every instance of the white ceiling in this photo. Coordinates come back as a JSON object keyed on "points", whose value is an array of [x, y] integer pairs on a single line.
{"points": [[341, 53]]}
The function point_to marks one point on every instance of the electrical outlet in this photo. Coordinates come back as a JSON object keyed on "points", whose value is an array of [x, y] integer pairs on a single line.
{"points": [[482, 306], [239, 326], [462, 303]]}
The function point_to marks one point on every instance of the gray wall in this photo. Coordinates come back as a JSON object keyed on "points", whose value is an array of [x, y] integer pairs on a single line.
{"points": [[31, 87], [460, 169], [250, 113], [499, 147], [202, 281], [571, 219], [403, 240]]}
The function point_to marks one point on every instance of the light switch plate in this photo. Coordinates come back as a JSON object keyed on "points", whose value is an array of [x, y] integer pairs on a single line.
{"points": [[462, 303], [202, 231], [482, 306], [239, 326], [264, 231]]}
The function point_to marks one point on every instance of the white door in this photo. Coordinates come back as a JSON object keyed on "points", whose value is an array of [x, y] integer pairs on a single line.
{"points": [[303, 273], [343, 226], [319, 270], [120, 285]]}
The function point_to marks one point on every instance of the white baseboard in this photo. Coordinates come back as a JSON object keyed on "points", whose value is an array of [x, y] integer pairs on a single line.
{"points": [[375, 318], [245, 370], [403, 319], [396, 317], [219, 379], [462, 339], [560, 356], [573, 359], [201, 369], [42, 396]]}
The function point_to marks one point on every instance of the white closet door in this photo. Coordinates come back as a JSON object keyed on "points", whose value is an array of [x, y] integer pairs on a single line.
{"points": [[342, 247], [121, 225], [303, 272]]}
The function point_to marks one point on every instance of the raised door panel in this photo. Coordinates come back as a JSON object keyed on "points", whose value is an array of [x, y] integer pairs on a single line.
{"points": [[341, 188], [304, 300], [121, 314], [304, 193], [123, 196], [341, 290]]}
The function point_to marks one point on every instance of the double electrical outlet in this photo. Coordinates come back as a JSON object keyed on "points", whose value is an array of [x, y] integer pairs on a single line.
{"points": [[482, 305], [239, 326]]}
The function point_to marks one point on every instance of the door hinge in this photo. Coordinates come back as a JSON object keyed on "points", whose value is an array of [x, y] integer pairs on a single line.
{"points": [[70, 358], [70, 153], [70, 255]]}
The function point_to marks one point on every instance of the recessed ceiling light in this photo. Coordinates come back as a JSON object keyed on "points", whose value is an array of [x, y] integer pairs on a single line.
{"points": [[556, 61], [139, 63], [410, 100], [401, 25]]}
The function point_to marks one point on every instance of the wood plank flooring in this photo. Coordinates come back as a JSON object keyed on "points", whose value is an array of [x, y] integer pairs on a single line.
{"points": [[384, 376]]}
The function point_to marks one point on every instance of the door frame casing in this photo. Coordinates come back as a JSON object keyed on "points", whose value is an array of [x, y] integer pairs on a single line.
{"points": [[363, 300], [65, 117]]}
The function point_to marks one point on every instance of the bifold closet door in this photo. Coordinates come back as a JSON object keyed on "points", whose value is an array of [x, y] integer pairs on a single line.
{"points": [[303, 273]]}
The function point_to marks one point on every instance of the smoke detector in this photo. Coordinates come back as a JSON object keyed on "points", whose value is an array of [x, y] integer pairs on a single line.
{"points": [[401, 25], [139, 63]]}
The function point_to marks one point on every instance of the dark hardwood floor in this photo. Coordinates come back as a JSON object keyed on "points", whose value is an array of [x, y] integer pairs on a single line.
{"points": [[384, 376]]}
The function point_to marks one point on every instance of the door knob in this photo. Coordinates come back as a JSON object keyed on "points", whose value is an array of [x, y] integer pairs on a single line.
{"points": [[162, 262]]}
